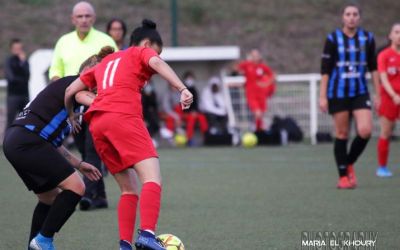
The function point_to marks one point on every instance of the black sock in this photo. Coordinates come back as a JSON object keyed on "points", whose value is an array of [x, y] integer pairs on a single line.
{"points": [[39, 215], [340, 150], [62, 208], [357, 147]]}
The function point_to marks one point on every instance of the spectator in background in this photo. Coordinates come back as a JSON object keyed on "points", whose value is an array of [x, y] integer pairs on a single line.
{"points": [[259, 85], [171, 112], [150, 110], [17, 76], [193, 115], [70, 51], [212, 103], [116, 29]]}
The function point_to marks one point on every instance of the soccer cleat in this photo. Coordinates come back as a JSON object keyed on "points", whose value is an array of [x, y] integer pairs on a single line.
{"points": [[148, 241], [124, 245], [351, 174], [383, 172], [41, 243], [344, 183]]}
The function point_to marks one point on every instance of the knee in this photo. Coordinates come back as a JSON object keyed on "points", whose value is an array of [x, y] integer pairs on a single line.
{"points": [[79, 188], [364, 132], [342, 134]]}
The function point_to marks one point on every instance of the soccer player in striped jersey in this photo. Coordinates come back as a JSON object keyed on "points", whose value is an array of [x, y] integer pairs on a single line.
{"points": [[120, 136], [33, 145], [389, 109], [349, 53]]}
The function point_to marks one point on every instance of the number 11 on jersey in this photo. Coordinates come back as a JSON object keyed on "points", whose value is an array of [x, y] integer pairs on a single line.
{"points": [[108, 79]]}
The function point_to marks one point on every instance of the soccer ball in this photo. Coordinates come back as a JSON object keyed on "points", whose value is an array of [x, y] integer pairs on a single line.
{"points": [[171, 242], [249, 140], [180, 140]]}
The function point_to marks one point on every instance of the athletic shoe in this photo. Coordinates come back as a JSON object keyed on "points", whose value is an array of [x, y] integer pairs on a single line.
{"points": [[383, 172], [100, 203], [351, 174], [85, 204], [344, 183], [148, 241], [124, 245], [41, 243]]}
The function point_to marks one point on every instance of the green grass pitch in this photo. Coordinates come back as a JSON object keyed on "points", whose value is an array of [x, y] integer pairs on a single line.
{"points": [[233, 198]]}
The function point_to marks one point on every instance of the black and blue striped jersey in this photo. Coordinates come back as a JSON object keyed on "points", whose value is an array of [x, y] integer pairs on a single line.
{"points": [[347, 60], [46, 114]]}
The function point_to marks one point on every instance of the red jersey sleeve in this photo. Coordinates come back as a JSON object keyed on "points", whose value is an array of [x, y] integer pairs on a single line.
{"points": [[88, 78], [382, 61], [146, 54]]}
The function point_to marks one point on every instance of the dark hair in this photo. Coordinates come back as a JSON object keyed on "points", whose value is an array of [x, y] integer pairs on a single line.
{"points": [[146, 31], [188, 74], [351, 5], [14, 40], [95, 59], [124, 30]]}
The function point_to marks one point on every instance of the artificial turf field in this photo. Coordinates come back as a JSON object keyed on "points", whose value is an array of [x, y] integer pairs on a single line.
{"points": [[233, 198]]}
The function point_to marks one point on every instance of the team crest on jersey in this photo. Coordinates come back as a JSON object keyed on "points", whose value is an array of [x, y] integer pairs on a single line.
{"points": [[392, 70]]}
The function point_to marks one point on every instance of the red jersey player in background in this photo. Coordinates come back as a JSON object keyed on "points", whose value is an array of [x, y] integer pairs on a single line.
{"points": [[119, 132], [260, 84], [389, 109]]}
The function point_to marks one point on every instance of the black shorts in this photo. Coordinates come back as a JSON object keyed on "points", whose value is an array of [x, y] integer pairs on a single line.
{"points": [[38, 163], [349, 104]]}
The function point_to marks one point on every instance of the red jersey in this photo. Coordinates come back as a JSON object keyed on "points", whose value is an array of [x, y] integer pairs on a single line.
{"points": [[255, 72], [389, 63], [119, 79]]}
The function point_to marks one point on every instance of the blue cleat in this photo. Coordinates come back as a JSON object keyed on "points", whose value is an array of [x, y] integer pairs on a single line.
{"points": [[41, 243], [124, 245], [148, 241], [383, 172]]}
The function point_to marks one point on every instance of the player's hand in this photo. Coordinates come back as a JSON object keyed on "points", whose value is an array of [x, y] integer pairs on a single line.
{"points": [[186, 99], [90, 171], [323, 104], [74, 121], [396, 99]]}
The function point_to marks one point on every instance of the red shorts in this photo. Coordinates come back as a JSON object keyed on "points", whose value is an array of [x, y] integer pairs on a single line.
{"points": [[388, 108], [121, 140]]}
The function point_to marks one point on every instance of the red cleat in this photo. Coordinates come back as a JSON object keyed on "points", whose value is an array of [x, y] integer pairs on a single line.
{"points": [[344, 183], [351, 174]]}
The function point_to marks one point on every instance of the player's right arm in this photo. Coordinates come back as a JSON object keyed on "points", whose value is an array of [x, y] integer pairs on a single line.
{"points": [[327, 64]]}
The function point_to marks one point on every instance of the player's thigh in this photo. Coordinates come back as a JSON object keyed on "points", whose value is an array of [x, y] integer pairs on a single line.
{"points": [[341, 121], [127, 181], [148, 170], [363, 118], [386, 127]]}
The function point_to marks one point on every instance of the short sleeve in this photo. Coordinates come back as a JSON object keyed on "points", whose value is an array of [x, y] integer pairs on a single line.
{"points": [[146, 54], [88, 78], [382, 62], [327, 58]]}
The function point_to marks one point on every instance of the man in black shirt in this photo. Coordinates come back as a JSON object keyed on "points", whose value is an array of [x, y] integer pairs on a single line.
{"points": [[17, 75]]}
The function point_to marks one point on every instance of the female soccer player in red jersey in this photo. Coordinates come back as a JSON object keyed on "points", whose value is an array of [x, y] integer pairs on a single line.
{"points": [[260, 84], [349, 53], [389, 109], [119, 132]]}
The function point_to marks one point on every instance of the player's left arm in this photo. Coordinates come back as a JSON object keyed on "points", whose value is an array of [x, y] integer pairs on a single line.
{"points": [[168, 74], [372, 66], [90, 171]]}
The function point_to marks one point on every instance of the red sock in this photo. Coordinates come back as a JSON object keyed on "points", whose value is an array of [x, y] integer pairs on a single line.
{"points": [[383, 151], [149, 205], [259, 124], [127, 216]]}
